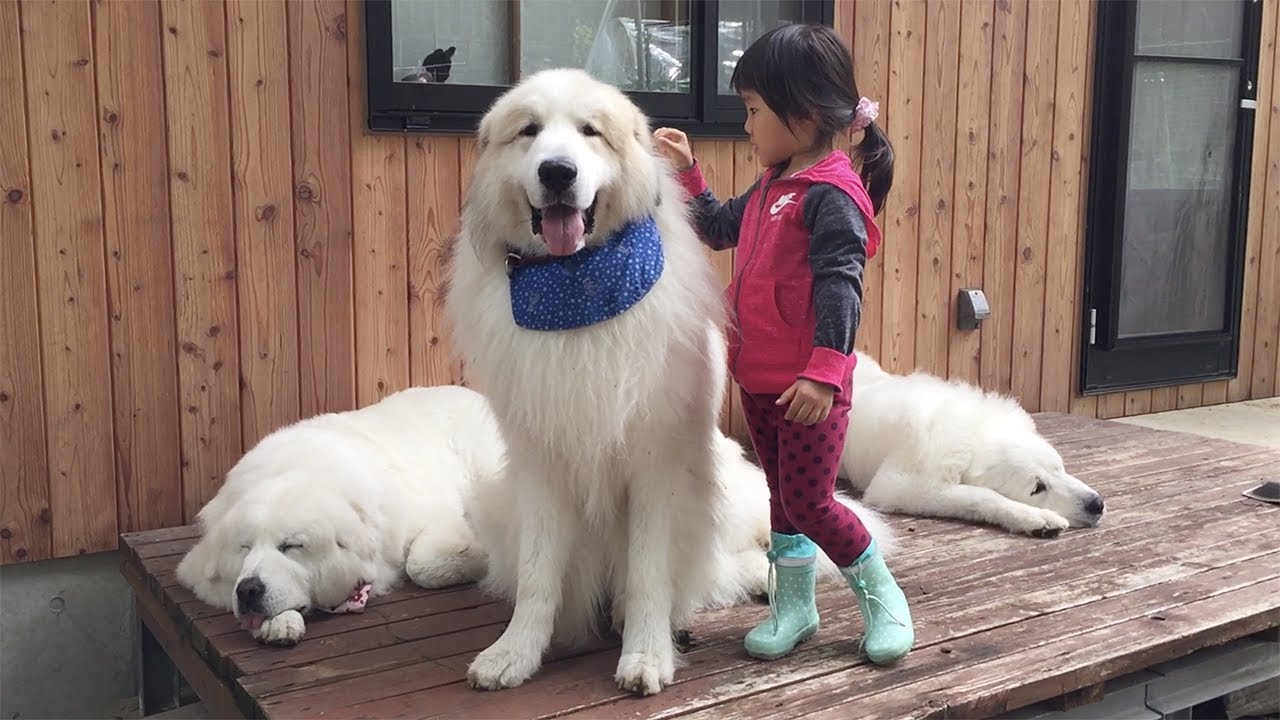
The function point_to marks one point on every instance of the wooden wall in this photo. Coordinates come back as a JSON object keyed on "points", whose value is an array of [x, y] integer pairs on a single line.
{"points": [[199, 242]]}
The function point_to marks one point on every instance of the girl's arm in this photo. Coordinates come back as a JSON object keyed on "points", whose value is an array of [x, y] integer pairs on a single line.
{"points": [[717, 223], [837, 255]]}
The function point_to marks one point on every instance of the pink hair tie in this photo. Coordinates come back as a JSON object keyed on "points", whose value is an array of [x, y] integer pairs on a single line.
{"points": [[865, 114]]}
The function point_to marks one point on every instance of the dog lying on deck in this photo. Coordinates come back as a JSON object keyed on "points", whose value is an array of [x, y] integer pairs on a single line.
{"points": [[333, 510], [920, 445]]}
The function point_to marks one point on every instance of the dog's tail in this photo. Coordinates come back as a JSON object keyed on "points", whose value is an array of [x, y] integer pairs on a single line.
{"points": [[886, 540]]}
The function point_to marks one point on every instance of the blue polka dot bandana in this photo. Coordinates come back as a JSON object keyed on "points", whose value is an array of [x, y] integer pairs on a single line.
{"points": [[591, 285]]}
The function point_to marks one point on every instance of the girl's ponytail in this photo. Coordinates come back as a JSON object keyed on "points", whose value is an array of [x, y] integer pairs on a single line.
{"points": [[875, 155]]}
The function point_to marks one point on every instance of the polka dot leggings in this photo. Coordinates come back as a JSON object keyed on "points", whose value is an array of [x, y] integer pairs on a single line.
{"points": [[800, 463]]}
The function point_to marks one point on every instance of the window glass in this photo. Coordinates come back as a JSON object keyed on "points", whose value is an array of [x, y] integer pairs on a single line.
{"points": [[464, 42], [742, 22], [1190, 28], [637, 45]]}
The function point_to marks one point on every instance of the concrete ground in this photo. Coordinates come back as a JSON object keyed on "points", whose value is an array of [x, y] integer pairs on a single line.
{"points": [[194, 711], [1254, 421], [67, 642]]}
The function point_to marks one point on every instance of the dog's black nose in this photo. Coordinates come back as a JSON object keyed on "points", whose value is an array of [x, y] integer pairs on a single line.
{"points": [[557, 175], [249, 592], [1095, 505]]}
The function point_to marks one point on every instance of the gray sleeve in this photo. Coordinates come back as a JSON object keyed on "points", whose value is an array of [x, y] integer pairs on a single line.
{"points": [[837, 255], [718, 223]]}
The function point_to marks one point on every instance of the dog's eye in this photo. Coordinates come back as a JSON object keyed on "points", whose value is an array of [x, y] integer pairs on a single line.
{"points": [[1039, 488], [286, 547], [590, 130], [245, 547], [531, 130]]}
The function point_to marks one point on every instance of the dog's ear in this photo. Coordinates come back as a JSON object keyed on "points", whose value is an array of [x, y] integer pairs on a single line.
{"points": [[200, 565], [657, 181], [361, 512], [644, 136], [448, 54], [640, 125], [211, 563], [210, 568], [484, 132], [359, 534], [216, 509]]}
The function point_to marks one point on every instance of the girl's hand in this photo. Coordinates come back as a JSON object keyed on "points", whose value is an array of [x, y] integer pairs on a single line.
{"points": [[810, 402], [674, 146]]}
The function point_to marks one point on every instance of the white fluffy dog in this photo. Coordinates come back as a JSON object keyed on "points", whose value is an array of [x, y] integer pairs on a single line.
{"points": [[321, 508], [921, 445], [366, 497], [611, 427]]}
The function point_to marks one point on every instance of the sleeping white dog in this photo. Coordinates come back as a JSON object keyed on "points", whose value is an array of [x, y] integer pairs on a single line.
{"points": [[921, 445], [335, 509]]}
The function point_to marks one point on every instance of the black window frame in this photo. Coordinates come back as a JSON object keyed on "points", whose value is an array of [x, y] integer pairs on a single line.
{"points": [[451, 109], [1109, 363]]}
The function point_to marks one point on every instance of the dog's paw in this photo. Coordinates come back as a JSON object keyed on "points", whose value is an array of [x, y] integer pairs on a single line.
{"points": [[646, 673], [1045, 524], [285, 629], [463, 564], [502, 666]]}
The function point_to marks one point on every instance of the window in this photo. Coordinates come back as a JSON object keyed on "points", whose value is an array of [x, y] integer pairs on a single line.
{"points": [[437, 65], [1174, 105]]}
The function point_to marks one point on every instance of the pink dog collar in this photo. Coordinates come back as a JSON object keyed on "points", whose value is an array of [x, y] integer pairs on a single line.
{"points": [[355, 602]]}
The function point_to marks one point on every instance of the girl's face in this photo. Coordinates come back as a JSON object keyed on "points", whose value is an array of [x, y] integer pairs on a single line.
{"points": [[773, 140]]}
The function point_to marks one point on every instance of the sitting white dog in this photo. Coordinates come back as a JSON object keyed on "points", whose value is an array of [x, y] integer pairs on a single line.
{"points": [[920, 445], [586, 310]]}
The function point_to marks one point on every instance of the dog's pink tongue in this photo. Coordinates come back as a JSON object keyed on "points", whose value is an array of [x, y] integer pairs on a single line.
{"points": [[562, 229], [252, 622]]}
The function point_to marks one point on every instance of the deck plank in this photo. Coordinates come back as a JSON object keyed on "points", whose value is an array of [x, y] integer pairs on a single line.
{"points": [[719, 670], [932, 570], [435, 628], [721, 632], [1112, 651], [1002, 620], [1040, 646]]}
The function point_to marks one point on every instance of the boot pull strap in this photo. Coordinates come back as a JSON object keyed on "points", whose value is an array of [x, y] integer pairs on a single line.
{"points": [[774, 561]]}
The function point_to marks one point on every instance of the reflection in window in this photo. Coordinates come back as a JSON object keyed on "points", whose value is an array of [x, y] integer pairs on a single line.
{"points": [[1189, 28], [437, 65], [742, 22], [1178, 201], [478, 31], [637, 45]]}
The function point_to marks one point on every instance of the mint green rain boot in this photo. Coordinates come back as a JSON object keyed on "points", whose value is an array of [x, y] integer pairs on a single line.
{"points": [[885, 615], [793, 611]]}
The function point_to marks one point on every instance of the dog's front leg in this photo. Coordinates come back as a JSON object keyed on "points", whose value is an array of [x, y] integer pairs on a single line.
{"points": [[990, 506], [896, 491], [545, 538], [285, 629], [648, 650]]}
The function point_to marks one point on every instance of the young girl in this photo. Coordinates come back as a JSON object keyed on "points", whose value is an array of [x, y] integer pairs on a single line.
{"points": [[803, 231]]}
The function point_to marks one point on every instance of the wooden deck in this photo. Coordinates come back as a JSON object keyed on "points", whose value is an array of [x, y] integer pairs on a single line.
{"points": [[1182, 562]]}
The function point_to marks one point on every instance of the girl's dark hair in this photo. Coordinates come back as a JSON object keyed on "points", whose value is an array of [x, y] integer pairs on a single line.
{"points": [[804, 71]]}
